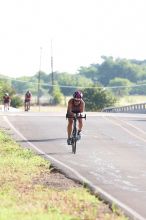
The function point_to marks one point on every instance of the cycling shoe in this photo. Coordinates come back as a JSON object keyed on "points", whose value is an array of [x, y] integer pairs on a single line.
{"points": [[69, 141]]}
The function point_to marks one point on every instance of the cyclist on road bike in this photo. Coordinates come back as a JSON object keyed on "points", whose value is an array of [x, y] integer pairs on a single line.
{"points": [[27, 100], [6, 101], [75, 104]]}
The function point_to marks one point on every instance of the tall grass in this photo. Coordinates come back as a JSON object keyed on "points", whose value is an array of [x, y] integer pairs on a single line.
{"points": [[24, 194], [128, 100]]}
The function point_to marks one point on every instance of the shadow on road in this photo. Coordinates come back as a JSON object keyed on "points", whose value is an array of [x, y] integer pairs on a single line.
{"points": [[56, 153], [41, 140]]}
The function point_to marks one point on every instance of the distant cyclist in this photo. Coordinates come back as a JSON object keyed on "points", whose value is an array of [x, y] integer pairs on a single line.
{"points": [[75, 104], [27, 100], [6, 101]]}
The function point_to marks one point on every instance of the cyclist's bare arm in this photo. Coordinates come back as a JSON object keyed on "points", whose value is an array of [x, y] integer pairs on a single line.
{"points": [[82, 108], [69, 107]]}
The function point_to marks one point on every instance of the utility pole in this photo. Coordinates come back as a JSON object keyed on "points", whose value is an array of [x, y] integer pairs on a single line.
{"points": [[52, 63], [39, 77]]}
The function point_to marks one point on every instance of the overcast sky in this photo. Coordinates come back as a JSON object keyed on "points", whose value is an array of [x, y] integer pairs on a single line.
{"points": [[81, 32]]}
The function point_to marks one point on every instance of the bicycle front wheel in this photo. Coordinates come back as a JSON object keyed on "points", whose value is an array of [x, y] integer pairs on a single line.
{"points": [[74, 143]]}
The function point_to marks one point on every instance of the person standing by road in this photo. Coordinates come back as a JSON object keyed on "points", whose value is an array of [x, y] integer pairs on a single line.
{"points": [[75, 104]]}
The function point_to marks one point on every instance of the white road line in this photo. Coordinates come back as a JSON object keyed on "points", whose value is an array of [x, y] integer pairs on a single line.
{"points": [[128, 211]]}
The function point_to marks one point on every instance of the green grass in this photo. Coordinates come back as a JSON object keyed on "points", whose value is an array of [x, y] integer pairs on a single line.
{"points": [[24, 198], [128, 100]]}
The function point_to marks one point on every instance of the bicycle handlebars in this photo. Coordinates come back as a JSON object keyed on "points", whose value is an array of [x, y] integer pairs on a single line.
{"points": [[76, 115]]}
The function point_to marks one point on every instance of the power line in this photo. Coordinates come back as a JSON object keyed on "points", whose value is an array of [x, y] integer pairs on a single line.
{"points": [[69, 86]]}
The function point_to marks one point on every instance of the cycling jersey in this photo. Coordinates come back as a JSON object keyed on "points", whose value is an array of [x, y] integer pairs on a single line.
{"points": [[6, 99], [27, 97], [75, 106]]}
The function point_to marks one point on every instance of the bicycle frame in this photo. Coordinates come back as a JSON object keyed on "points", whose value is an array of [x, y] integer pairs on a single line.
{"points": [[27, 106], [6, 106], [74, 137], [74, 134]]}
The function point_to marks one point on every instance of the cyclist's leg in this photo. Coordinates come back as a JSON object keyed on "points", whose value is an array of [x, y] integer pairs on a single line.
{"points": [[5, 107], [29, 105], [8, 105], [24, 105], [80, 126], [69, 129]]}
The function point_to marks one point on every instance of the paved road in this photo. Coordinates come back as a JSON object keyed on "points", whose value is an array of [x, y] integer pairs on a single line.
{"points": [[111, 157]]}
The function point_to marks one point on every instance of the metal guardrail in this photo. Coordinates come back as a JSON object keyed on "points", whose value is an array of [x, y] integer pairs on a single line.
{"points": [[134, 108]]}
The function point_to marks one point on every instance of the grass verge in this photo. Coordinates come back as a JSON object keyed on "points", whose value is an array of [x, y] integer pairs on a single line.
{"points": [[25, 194], [131, 99]]}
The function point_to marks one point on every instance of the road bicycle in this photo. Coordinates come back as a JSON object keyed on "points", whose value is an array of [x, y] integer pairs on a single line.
{"points": [[27, 106], [75, 136], [6, 106]]}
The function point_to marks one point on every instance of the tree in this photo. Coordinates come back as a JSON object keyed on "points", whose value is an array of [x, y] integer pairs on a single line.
{"points": [[70, 82], [57, 96], [120, 86], [121, 68], [139, 89], [90, 72], [97, 98], [5, 87]]}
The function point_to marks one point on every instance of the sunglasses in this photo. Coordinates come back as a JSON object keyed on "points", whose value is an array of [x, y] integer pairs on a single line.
{"points": [[77, 100]]}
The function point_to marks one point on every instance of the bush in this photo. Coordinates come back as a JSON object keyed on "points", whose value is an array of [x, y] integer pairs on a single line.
{"points": [[97, 98], [16, 102], [57, 96]]}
